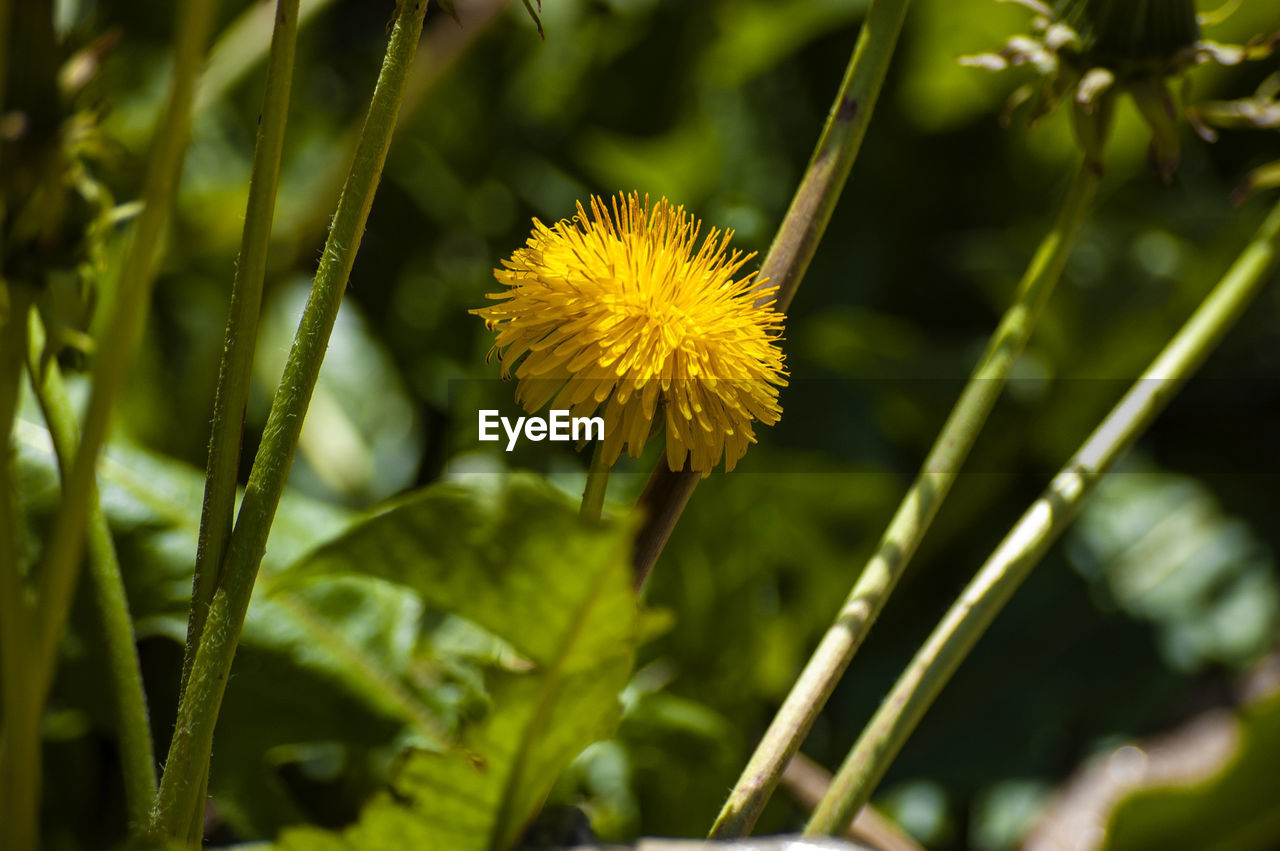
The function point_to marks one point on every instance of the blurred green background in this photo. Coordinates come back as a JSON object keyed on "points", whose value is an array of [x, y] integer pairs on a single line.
{"points": [[1146, 614]]}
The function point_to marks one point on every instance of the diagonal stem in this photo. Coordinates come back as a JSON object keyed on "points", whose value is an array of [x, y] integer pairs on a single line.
{"points": [[242, 327], [188, 759], [818, 679], [1042, 523], [236, 367], [668, 492], [123, 328], [112, 608]]}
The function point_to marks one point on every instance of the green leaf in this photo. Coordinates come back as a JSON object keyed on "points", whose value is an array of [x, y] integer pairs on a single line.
{"points": [[1167, 553], [520, 563], [319, 672], [327, 665]]}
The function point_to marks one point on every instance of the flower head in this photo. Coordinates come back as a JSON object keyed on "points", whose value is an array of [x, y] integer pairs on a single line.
{"points": [[624, 309], [1090, 50]]}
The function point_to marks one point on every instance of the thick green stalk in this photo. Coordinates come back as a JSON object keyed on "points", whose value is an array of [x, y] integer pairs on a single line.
{"points": [[242, 327], [798, 236], [815, 199], [818, 679], [1042, 523], [236, 367], [198, 711], [121, 333], [137, 758], [20, 733]]}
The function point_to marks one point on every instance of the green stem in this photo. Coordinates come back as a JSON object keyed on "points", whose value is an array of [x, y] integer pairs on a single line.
{"points": [[908, 526], [242, 328], [120, 335], [124, 672], [1042, 523], [236, 367], [798, 236], [197, 713], [661, 504], [20, 734], [597, 484], [815, 199], [195, 820]]}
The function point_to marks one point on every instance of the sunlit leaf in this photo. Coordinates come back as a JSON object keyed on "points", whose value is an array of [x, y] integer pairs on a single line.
{"points": [[521, 564]]}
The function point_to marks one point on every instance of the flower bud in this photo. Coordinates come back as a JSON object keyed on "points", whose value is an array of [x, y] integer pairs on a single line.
{"points": [[1120, 33], [1093, 50]]}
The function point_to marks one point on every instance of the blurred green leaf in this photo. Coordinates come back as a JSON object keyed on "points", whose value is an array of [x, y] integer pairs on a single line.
{"points": [[153, 504], [362, 438], [323, 664], [755, 36], [520, 563], [937, 92], [1166, 552], [685, 162]]}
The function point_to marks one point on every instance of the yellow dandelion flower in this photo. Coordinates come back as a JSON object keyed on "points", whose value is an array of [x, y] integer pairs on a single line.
{"points": [[623, 309]]}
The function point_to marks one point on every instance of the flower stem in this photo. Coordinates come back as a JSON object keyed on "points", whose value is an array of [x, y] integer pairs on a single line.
{"points": [[818, 679], [198, 710], [662, 502], [242, 328], [597, 484], [797, 239], [1042, 523], [123, 669], [20, 731], [120, 337], [815, 199], [236, 367]]}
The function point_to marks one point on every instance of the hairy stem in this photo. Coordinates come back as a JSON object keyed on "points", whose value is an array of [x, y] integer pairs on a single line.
{"points": [[137, 757], [120, 335], [818, 679], [1042, 523], [236, 366], [198, 711], [797, 238]]}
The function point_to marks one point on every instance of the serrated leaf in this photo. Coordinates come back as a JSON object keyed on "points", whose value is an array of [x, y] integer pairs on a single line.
{"points": [[326, 664], [509, 561], [524, 566]]}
